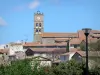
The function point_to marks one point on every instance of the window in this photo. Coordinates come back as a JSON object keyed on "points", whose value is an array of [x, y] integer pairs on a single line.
{"points": [[36, 24], [6, 46], [36, 30], [39, 24], [75, 46], [39, 30]]}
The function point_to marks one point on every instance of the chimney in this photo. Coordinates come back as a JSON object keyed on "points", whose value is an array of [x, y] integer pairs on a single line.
{"points": [[25, 42]]}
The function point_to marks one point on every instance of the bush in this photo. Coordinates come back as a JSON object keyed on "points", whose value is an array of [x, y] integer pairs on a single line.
{"points": [[23, 67], [95, 71], [68, 68]]}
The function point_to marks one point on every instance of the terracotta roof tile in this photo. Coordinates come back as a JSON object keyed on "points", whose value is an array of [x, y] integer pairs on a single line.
{"points": [[90, 53], [62, 50], [96, 35], [92, 40], [75, 41], [68, 53], [4, 51], [73, 49], [95, 31], [61, 39], [59, 35], [15, 43], [81, 34], [39, 44]]}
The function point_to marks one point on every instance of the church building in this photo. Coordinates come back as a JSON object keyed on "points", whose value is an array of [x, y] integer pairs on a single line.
{"points": [[47, 41]]}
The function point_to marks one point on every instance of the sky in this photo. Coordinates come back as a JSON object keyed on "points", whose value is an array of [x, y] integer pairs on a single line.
{"points": [[17, 17]]}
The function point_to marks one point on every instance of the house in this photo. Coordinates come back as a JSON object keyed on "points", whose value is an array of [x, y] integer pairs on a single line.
{"points": [[51, 53], [15, 47], [41, 61], [71, 55], [20, 55], [51, 40], [3, 56], [93, 57], [75, 42], [3, 46]]}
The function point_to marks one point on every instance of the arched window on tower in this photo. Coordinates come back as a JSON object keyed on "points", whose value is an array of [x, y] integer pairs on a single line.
{"points": [[39, 30], [39, 24], [36, 24], [36, 30]]}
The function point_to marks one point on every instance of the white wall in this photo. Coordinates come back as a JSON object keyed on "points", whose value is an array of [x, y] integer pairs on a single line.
{"points": [[45, 63], [64, 58], [43, 55], [15, 48], [2, 46]]}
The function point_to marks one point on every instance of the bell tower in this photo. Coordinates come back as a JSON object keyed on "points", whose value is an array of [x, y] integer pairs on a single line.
{"points": [[38, 26]]}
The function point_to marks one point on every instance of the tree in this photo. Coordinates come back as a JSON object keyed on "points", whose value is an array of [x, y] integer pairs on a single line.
{"points": [[95, 46], [82, 46], [71, 67]]}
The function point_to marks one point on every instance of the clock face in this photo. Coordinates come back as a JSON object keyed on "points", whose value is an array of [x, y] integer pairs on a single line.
{"points": [[38, 18]]}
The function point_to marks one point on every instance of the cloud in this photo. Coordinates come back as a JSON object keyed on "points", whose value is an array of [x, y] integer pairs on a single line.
{"points": [[34, 4], [31, 5], [2, 22]]}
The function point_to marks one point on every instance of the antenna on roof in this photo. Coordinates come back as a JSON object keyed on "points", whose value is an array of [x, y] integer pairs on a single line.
{"points": [[26, 38]]}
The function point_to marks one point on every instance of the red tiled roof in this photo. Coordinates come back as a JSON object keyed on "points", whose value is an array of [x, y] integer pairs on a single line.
{"points": [[95, 31], [96, 35], [61, 39], [15, 43], [68, 53], [90, 53], [62, 50], [39, 44], [3, 51], [75, 41], [92, 40], [59, 35], [81, 34], [73, 49], [82, 53]]}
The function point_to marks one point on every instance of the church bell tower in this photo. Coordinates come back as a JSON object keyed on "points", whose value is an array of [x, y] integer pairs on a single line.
{"points": [[38, 26]]}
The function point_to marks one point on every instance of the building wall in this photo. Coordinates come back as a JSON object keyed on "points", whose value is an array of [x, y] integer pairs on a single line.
{"points": [[45, 63], [4, 58], [77, 57], [48, 40], [37, 28], [46, 55], [41, 63], [15, 48], [74, 46], [3, 46], [20, 55], [64, 58]]}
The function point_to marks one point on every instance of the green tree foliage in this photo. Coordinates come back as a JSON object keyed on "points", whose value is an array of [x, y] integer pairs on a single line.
{"points": [[82, 46], [95, 71], [20, 67], [23, 67], [68, 68], [95, 46]]}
